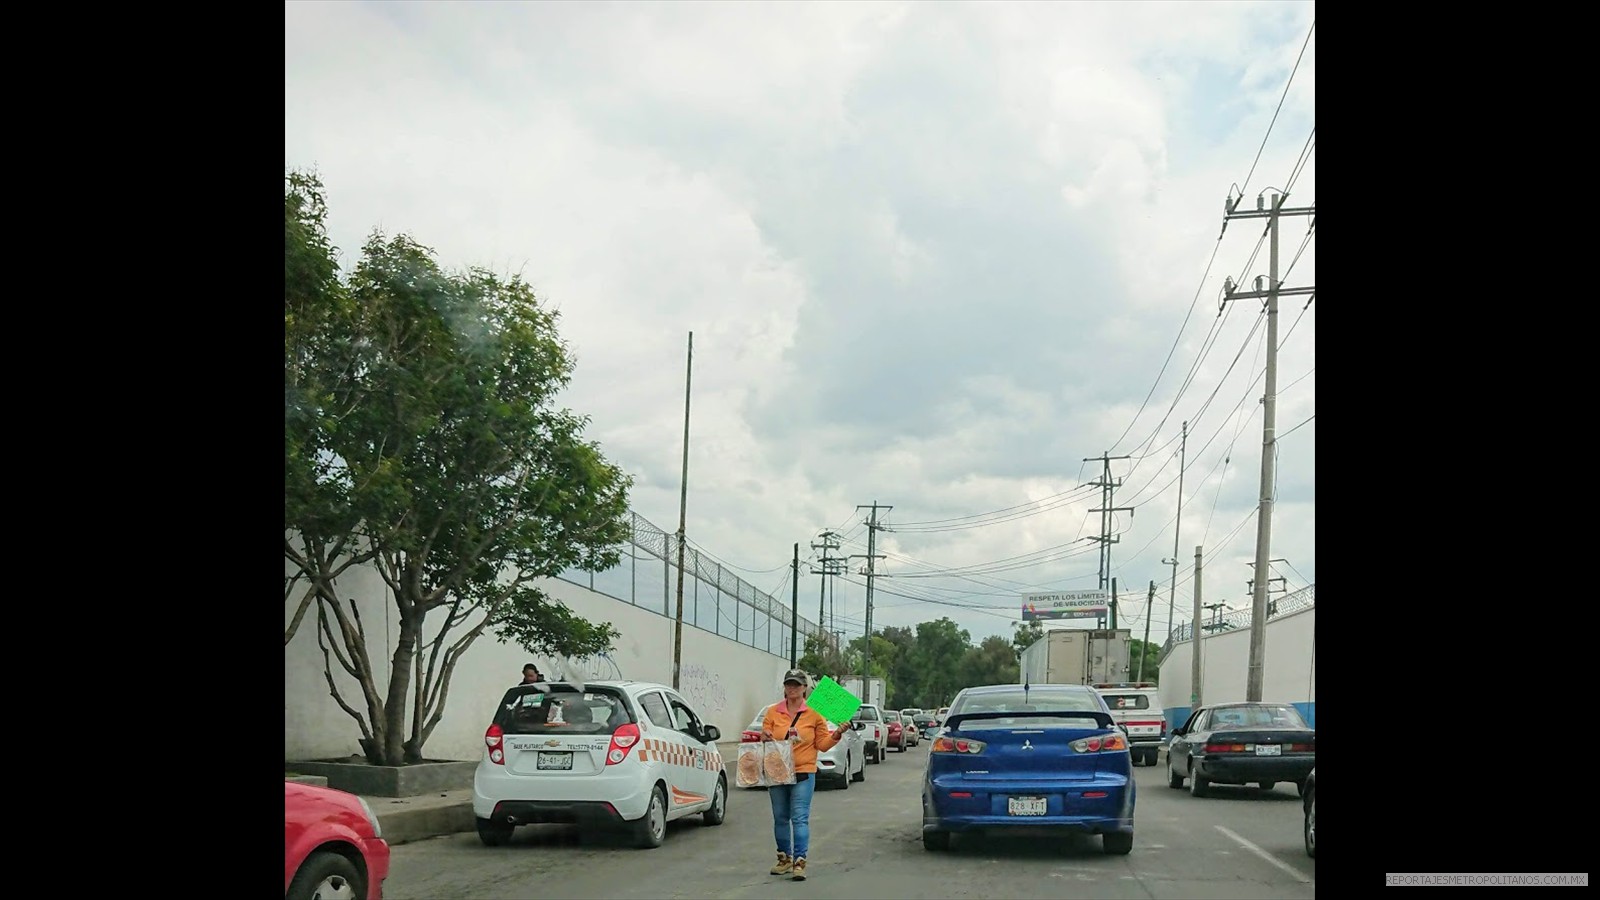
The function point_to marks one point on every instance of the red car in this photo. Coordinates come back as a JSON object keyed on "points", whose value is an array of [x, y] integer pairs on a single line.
{"points": [[332, 845], [897, 732]]}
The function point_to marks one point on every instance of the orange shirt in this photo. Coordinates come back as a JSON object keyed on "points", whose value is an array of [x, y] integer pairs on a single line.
{"points": [[815, 736]]}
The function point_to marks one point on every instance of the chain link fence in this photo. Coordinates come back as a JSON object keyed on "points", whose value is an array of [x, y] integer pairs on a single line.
{"points": [[1305, 598], [714, 598]]}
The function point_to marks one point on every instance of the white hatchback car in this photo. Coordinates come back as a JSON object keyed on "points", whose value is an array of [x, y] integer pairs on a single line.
{"points": [[842, 763], [606, 754]]}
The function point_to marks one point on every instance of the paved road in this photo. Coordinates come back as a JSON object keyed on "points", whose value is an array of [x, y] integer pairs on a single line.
{"points": [[1240, 844]]}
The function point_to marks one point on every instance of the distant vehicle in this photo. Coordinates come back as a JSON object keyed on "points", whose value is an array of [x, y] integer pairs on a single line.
{"points": [[1241, 743], [332, 845], [1309, 803], [1137, 708], [897, 737], [873, 690], [1050, 756], [629, 755], [1078, 656], [874, 732], [842, 763]]}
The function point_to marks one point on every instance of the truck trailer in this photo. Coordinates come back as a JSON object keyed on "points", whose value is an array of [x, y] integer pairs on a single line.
{"points": [[1079, 656]]}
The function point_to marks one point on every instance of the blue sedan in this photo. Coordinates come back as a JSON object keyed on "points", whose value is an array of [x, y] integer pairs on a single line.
{"points": [[1018, 755]]}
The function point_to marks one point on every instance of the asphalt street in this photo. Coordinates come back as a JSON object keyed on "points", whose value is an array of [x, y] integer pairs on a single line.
{"points": [[866, 841]]}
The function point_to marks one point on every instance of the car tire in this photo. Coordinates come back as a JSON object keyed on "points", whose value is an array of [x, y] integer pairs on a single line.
{"points": [[494, 834], [1311, 826], [844, 781], [650, 829], [861, 775], [326, 870], [1117, 843], [718, 811], [1199, 786], [1300, 787], [1152, 757], [1174, 780], [883, 754], [935, 840], [1266, 785]]}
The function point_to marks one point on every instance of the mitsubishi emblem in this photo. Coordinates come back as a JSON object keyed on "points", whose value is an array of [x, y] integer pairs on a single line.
{"points": [[1027, 745]]}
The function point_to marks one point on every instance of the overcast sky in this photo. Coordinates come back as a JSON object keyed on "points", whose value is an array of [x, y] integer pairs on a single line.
{"points": [[933, 255]]}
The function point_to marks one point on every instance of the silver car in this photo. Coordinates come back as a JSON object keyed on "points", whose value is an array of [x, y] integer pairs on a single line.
{"points": [[840, 764]]}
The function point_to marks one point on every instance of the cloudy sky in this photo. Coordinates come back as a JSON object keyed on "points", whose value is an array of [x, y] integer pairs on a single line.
{"points": [[933, 255]]}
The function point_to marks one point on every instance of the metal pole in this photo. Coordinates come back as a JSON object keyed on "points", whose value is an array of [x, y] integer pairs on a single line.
{"points": [[1258, 615], [1148, 601], [1194, 638], [1177, 528], [683, 511], [794, 610]]}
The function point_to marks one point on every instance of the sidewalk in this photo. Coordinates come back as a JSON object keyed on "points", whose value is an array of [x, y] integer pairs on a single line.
{"points": [[407, 819]]}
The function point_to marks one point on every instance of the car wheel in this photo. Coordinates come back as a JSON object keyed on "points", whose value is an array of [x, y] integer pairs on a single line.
{"points": [[1311, 826], [1174, 780], [935, 840], [1266, 785], [1152, 757], [844, 781], [651, 828], [494, 834], [329, 875], [1300, 787], [1198, 785], [883, 754], [719, 803], [1118, 843], [860, 775]]}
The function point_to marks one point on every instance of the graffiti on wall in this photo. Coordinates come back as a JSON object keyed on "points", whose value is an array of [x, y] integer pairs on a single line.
{"points": [[599, 667], [702, 688]]}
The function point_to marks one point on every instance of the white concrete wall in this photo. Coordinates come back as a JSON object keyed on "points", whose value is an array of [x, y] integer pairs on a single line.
{"points": [[727, 681], [1290, 674]]}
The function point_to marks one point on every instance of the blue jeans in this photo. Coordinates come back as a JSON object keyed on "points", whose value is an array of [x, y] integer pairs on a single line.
{"points": [[791, 811]]}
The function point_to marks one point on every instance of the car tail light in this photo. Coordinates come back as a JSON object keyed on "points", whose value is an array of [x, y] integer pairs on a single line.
{"points": [[1303, 748], [749, 737], [1094, 795], [1224, 748], [495, 740], [622, 740], [1110, 742], [957, 745]]}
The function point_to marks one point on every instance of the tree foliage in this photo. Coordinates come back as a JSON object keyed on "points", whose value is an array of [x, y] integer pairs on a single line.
{"points": [[421, 436]]}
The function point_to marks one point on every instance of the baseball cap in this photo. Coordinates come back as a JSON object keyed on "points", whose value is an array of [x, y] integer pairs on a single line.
{"points": [[798, 676]]}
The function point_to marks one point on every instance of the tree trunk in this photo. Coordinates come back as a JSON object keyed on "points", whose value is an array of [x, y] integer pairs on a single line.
{"points": [[395, 751]]}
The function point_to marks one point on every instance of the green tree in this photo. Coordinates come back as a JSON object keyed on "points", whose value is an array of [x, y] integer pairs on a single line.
{"points": [[421, 434], [903, 672], [940, 647], [992, 662], [1027, 633], [1150, 652], [822, 658]]}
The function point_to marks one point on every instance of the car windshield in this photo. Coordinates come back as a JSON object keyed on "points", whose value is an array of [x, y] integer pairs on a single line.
{"points": [[866, 714], [563, 710], [1075, 708], [1257, 716]]}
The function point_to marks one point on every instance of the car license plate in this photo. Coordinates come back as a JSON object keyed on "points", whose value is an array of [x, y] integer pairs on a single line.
{"points": [[1268, 750], [1025, 806], [549, 760]]}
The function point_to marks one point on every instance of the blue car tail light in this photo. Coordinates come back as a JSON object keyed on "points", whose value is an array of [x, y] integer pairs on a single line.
{"points": [[957, 745], [1107, 743]]}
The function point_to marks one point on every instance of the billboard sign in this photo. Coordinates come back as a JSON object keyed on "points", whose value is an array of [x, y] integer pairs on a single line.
{"points": [[1065, 605]]}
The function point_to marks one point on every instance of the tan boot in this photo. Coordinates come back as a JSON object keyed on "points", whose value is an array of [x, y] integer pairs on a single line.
{"points": [[800, 868], [785, 864]]}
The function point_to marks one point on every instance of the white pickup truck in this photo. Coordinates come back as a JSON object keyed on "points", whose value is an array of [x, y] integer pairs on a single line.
{"points": [[874, 733]]}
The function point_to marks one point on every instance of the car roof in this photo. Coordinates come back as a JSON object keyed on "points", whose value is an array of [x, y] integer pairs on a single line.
{"points": [[998, 688]]}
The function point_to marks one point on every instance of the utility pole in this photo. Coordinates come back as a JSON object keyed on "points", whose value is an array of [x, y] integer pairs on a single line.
{"points": [[683, 511], [1177, 529], [1214, 615], [830, 567], [1195, 674], [872, 557], [1148, 601], [1113, 604], [1106, 485], [794, 608], [1283, 587], [1269, 403]]}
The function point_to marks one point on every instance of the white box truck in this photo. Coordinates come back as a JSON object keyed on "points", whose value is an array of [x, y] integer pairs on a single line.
{"points": [[1079, 656], [873, 692]]}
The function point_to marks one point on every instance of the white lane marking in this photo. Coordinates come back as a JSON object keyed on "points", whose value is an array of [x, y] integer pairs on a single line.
{"points": [[1265, 855]]}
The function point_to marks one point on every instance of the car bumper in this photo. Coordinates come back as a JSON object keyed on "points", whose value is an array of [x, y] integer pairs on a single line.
{"points": [[376, 853], [605, 797], [1250, 769], [1066, 806]]}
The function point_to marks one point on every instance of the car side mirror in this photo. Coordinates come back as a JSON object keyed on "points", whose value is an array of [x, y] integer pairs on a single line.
{"points": [[858, 725], [712, 733]]}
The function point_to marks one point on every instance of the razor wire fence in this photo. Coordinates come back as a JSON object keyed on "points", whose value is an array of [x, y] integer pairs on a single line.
{"points": [[1305, 598], [714, 598]]}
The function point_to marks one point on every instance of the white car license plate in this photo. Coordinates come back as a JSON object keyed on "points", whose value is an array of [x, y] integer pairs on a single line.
{"points": [[1025, 806], [1268, 750], [557, 760]]}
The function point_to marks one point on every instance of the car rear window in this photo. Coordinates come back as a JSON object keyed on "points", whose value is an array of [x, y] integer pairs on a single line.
{"points": [[563, 710], [1127, 701], [1066, 703], [866, 714]]}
